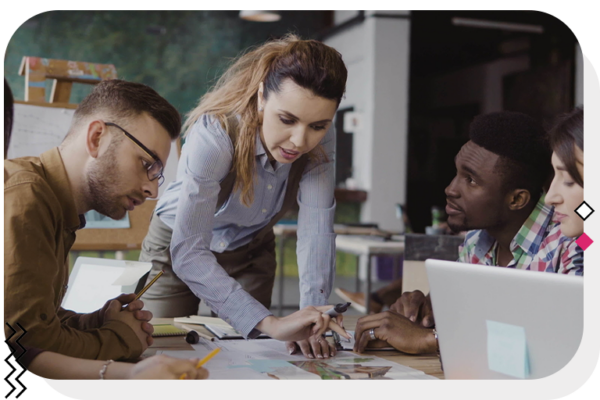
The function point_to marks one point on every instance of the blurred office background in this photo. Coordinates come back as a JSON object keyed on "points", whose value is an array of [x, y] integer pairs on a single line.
{"points": [[416, 80]]}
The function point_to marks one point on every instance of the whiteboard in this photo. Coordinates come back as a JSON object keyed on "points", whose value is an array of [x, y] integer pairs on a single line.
{"points": [[37, 129]]}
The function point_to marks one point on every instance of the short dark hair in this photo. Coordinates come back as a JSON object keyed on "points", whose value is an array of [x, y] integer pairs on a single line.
{"points": [[564, 136], [522, 144], [8, 115], [127, 99]]}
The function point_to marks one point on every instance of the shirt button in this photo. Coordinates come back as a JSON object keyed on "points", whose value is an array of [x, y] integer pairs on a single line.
{"points": [[222, 244], [270, 187], [264, 210]]}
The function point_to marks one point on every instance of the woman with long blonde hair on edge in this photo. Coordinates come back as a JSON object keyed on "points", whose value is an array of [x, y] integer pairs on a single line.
{"points": [[261, 140]]}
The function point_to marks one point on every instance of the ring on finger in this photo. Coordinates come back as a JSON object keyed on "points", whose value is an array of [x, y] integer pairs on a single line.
{"points": [[372, 334]]}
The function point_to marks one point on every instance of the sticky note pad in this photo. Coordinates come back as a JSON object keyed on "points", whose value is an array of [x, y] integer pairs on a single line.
{"points": [[507, 349]]}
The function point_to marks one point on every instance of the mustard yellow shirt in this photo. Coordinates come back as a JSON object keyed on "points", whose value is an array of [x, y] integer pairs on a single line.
{"points": [[40, 221]]}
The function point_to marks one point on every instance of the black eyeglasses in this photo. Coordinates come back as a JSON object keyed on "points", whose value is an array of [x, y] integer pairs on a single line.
{"points": [[155, 170]]}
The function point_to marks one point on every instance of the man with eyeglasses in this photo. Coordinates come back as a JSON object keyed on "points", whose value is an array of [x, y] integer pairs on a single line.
{"points": [[110, 161]]}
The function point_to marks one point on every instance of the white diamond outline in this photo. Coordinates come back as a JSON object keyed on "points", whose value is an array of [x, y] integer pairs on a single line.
{"points": [[588, 206]]}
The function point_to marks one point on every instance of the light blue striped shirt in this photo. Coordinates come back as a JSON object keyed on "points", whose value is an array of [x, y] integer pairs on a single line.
{"points": [[188, 207]]}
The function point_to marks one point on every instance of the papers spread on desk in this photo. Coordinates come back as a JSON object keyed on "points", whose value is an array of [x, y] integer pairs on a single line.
{"points": [[216, 326], [268, 359]]}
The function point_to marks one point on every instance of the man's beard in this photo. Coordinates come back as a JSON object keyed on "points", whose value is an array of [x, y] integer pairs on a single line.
{"points": [[102, 195], [460, 226]]}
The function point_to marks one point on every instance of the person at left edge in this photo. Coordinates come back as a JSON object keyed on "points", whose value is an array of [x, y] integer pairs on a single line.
{"points": [[267, 129], [110, 161]]}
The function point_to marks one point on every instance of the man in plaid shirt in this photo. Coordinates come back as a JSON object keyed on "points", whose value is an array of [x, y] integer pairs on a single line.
{"points": [[497, 195]]}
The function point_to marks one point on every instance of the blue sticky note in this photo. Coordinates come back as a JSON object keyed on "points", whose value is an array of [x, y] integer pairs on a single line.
{"points": [[507, 349]]}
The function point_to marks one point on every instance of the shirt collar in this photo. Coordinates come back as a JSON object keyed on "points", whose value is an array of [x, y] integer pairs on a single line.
{"points": [[261, 154], [57, 178], [531, 234], [528, 238]]}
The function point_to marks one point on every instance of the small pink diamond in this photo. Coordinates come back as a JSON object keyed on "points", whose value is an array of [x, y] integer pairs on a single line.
{"points": [[584, 241]]}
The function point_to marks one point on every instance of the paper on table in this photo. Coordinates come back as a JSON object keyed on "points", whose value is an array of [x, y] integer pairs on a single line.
{"points": [[132, 273], [268, 358], [199, 320], [507, 349]]}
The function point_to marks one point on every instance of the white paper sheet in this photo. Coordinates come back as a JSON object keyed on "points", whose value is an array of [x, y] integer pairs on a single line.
{"points": [[268, 359]]}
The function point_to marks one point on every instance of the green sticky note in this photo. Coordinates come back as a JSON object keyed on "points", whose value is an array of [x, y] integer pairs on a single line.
{"points": [[507, 349]]}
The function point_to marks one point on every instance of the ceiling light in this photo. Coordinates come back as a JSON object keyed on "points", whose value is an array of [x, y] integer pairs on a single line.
{"points": [[260, 15]]}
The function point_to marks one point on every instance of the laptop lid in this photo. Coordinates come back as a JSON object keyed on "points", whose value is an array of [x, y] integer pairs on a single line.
{"points": [[94, 281], [502, 323]]}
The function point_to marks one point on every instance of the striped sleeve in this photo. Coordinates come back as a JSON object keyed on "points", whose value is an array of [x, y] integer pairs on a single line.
{"points": [[316, 239], [210, 155]]}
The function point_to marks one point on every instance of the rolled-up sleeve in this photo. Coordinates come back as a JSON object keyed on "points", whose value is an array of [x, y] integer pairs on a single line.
{"points": [[208, 157], [316, 239]]}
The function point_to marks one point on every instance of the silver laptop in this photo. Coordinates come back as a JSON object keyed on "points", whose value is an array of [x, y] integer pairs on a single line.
{"points": [[502, 323], [94, 281]]}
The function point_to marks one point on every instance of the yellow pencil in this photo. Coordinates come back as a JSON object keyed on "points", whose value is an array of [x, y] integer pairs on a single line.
{"points": [[148, 285], [204, 360]]}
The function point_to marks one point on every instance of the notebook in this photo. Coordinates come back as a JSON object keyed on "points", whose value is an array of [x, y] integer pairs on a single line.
{"points": [[216, 326], [522, 324], [162, 330]]}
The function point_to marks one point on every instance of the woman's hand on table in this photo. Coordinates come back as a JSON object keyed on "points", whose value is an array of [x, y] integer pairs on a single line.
{"points": [[310, 321], [165, 367]]}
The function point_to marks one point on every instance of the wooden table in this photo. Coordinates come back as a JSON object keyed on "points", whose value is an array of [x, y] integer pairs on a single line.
{"points": [[360, 241], [428, 363]]}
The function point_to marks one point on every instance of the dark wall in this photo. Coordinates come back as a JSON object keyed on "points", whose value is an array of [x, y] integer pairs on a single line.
{"points": [[178, 53]]}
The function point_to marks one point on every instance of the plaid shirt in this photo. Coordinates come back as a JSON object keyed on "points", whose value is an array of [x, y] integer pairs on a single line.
{"points": [[538, 246]]}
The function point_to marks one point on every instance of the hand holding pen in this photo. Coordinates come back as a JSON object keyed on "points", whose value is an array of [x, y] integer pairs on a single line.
{"points": [[317, 346]]}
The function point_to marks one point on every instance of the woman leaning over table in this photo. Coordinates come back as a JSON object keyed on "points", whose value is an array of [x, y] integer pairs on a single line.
{"points": [[566, 190], [261, 140]]}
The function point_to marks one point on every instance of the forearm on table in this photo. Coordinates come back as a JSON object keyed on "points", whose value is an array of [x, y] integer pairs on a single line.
{"points": [[57, 366], [80, 321], [113, 340]]}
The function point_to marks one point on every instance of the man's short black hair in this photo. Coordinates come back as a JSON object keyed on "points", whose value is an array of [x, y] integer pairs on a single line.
{"points": [[8, 115], [523, 147]]}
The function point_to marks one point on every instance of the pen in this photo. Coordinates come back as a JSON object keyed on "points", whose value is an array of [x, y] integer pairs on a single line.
{"points": [[204, 360], [338, 309], [148, 285]]}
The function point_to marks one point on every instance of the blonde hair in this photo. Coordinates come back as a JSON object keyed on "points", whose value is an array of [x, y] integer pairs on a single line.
{"points": [[309, 63]]}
